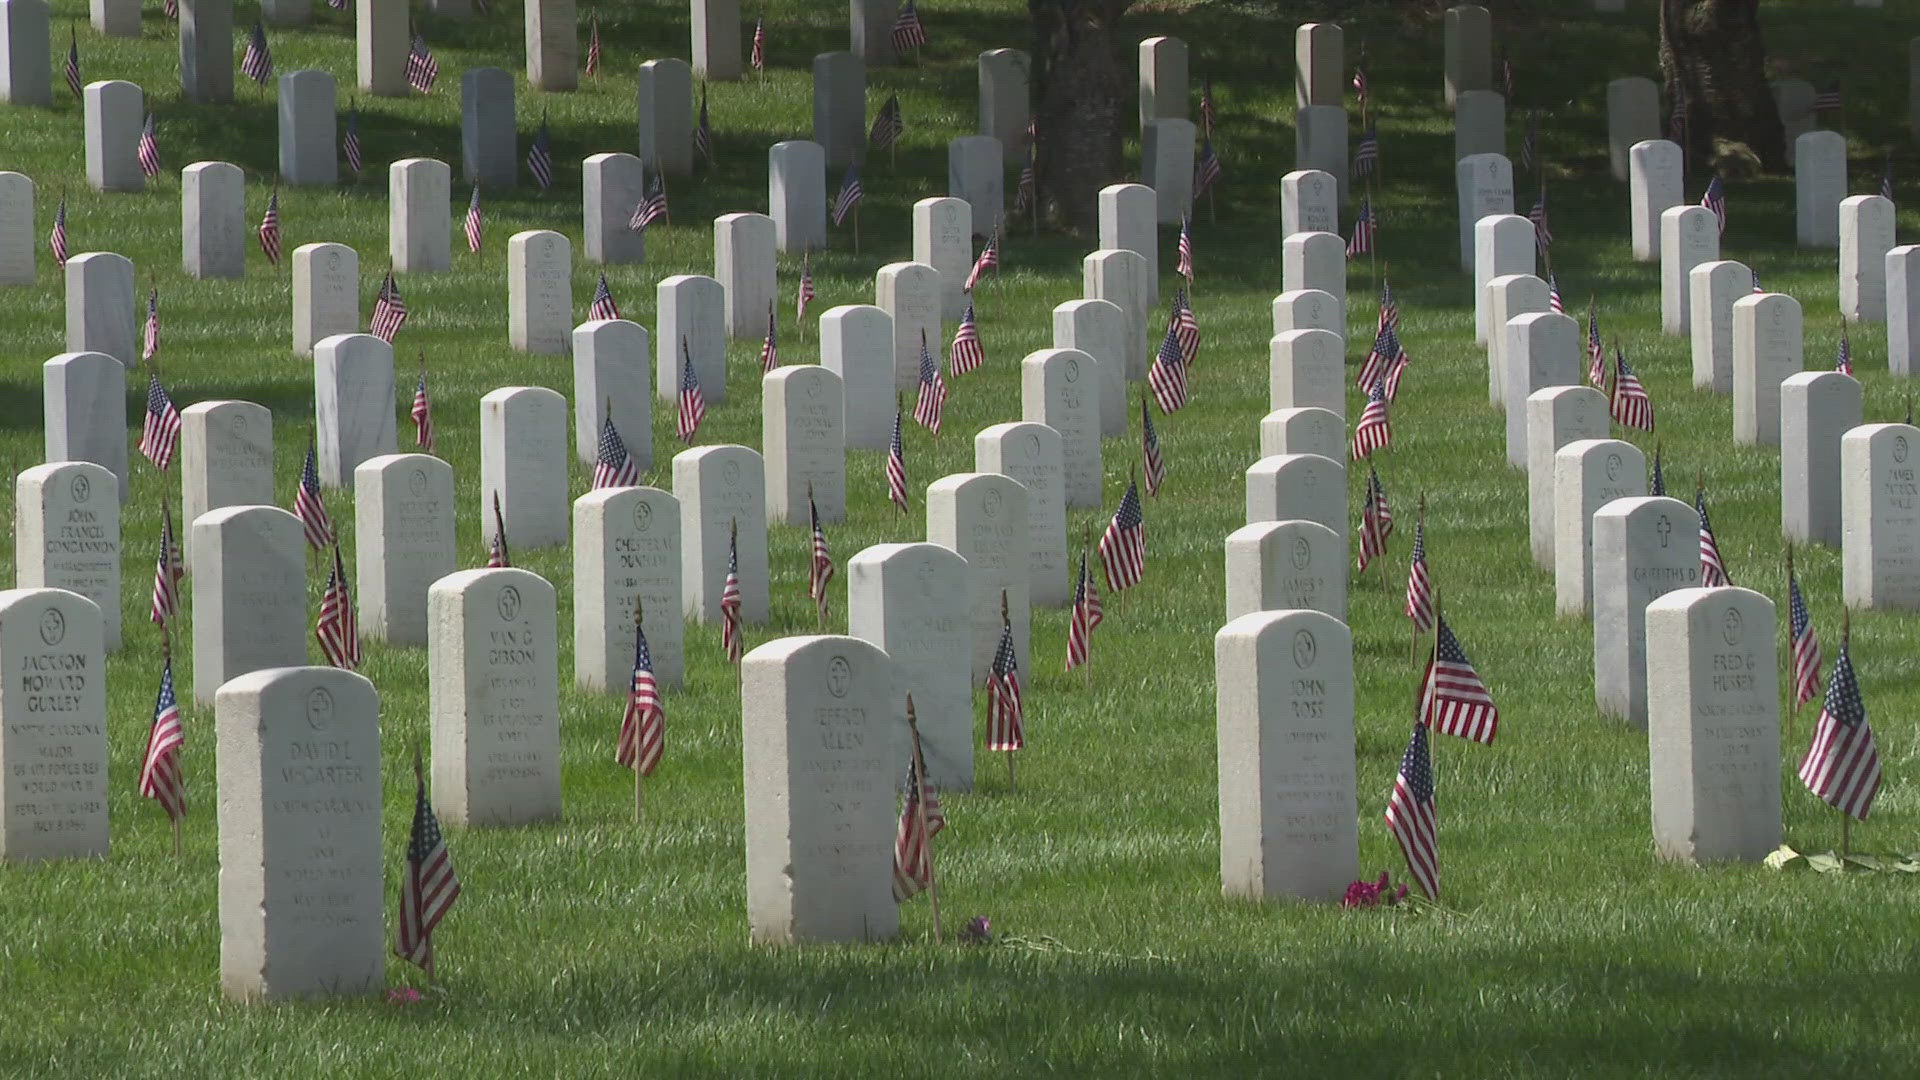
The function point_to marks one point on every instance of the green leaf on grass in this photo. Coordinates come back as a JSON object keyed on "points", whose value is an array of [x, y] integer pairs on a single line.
{"points": [[1828, 863]]}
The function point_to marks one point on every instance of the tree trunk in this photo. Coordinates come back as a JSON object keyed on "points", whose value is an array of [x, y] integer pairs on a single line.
{"points": [[1080, 95], [1714, 60]]}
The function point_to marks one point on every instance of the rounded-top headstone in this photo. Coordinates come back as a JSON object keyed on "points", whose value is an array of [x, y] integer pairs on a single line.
{"points": [[53, 727]]}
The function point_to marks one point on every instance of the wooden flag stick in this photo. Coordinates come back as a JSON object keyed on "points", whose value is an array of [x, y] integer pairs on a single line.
{"points": [[638, 757], [920, 813]]}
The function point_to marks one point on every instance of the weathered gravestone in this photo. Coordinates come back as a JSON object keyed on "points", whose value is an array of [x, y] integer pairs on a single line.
{"points": [[1298, 487], [612, 186], [1866, 235], [53, 727], [113, 112], [1309, 309], [26, 53], [381, 45], [1587, 475], [870, 30], [226, 459], [84, 408], [309, 116], [1099, 329], [1163, 80], [1817, 408], [716, 39], [1633, 117], [1309, 202], [539, 291], [297, 764], [976, 172], [803, 435], [1643, 548], [691, 318], [1712, 289], [1315, 260], [523, 463], [353, 404], [1509, 296], [1543, 349], [1320, 145], [1005, 104], [488, 140], [910, 294], [1819, 183], [911, 601], [1303, 431], [1483, 185], [553, 45], [721, 488], [1713, 725], [1502, 244], [1030, 453], [665, 98], [1479, 123], [100, 313], [1880, 506], [249, 594], [1903, 308], [66, 535], [17, 240], [1130, 221], [1282, 565], [797, 194], [1123, 278], [419, 223], [1556, 416], [839, 107], [326, 293], [856, 343], [983, 517], [610, 372], [626, 545], [493, 680], [1689, 236], [1307, 369], [1467, 41], [943, 239], [817, 718], [403, 513], [1766, 349], [206, 51], [1288, 824], [743, 264], [1060, 388], [1319, 64]]}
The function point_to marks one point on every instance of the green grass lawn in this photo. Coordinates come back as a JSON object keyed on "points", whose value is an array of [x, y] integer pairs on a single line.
{"points": [[595, 947]]}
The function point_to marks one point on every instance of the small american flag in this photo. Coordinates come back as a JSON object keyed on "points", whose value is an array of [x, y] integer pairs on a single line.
{"points": [[540, 157], [1756, 282], [820, 569], [1006, 718], [921, 817], [693, 403], [256, 62], [731, 637], [1206, 171], [1596, 352], [1366, 153], [160, 431], [593, 44], [1842, 766], [703, 130], [1123, 547], [1026, 191], [1843, 357], [1419, 607], [770, 348], [428, 886], [613, 467], [1829, 98], [1506, 79], [149, 149], [1168, 375], [1385, 357], [652, 208], [57, 241], [167, 573], [643, 727], [1389, 310], [931, 403], [422, 68], [1208, 113], [1184, 263], [1886, 180], [989, 260], [805, 294], [1087, 614], [967, 353], [1362, 240], [1373, 537], [270, 229], [1382, 507], [1360, 86], [73, 65], [897, 465], [1410, 816], [1657, 484], [1629, 403], [160, 770], [1152, 466], [389, 310], [308, 506], [759, 56], [1715, 199], [1554, 302], [849, 198], [350, 142], [497, 554], [1373, 431], [1186, 328], [1713, 571], [1452, 697], [908, 34], [422, 412], [150, 330], [1530, 142], [1806, 645], [888, 125], [473, 221], [603, 306], [337, 629], [1542, 233]]}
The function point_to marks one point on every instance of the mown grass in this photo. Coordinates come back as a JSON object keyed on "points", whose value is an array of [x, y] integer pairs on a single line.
{"points": [[595, 947]]}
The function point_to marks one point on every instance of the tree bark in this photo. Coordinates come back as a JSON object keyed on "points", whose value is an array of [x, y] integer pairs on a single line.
{"points": [[1080, 94], [1714, 60]]}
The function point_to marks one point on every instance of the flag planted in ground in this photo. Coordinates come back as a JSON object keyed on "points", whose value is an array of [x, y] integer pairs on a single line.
{"points": [[603, 306], [888, 124], [613, 467], [422, 412], [1373, 431], [160, 430], [350, 140], [428, 885], [148, 151], [820, 566], [1452, 697], [930, 404], [989, 260], [966, 353], [848, 200], [1713, 571], [540, 157], [1842, 767], [309, 507], [1006, 715], [389, 310], [160, 776], [1087, 614], [57, 239], [1153, 467], [1806, 644], [337, 629], [693, 403], [168, 570], [472, 223], [770, 346], [908, 32], [1123, 547], [422, 68], [1410, 815], [270, 229], [256, 62], [643, 724], [732, 626], [921, 817], [1629, 403], [897, 465], [1419, 606]]}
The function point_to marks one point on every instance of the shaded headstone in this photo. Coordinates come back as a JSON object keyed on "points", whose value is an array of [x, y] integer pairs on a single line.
{"points": [[690, 320], [910, 294], [1508, 297], [1816, 409], [840, 107], [84, 410], [1483, 185], [797, 194], [353, 404], [976, 172], [1543, 349], [18, 243], [1123, 278], [817, 719], [309, 117], [100, 313], [1903, 308], [1633, 117], [1467, 43], [1880, 506], [249, 594], [540, 292], [66, 535], [665, 99], [1320, 145], [743, 264], [720, 487], [1712, 288], [1479, 123], [553, 44], [1315, 260], [1031, 454], [419, 223], [286, 12], [1689, 236], [1556, 416], [870, 30], [403, 515], [856, 343], [1309, 202], [612, 186], [1643, 548], [493, 687], [1307, 368], [114, 111], [911, 601], [626, 544], [523, 463], [1298, 487], [1793, 99], [1061, 389], [1866, 235], [1163, 80], [326, 294], [1282, 565], [381, 44], [1305, 430], [943, 239], [1004, 102], [226, 459], [1284, 702], [610, 358], [1130, 221], [53, 727], [1502, 244], [1767, 348], [1309, 309], [489, 151], [206, 51], [983, 517], [803, 437], [26, 53], [1587, 475], [1099, 329], [716, 39], [1819, 183], [1319, 64]]}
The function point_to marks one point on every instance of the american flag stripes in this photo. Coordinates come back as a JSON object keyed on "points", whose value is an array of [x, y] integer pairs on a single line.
{"points": [[57, 240], [1713, 571], [643, 725], [1554, 302], [1208, 114], [1530, 142], [989, 260], [1362, 241], [1806, 644], [921, 817], [350, 141], [1843, 357], [1006, 718], [770, 346], [593, 45], [167, 572], [540, 157], [1657, 483], [1185, 328], [1206, 171], [422, 68], [1842, 767], [897, 465], [1168, 375], [1373, 536], [270, 229], [1542, 233], [1756, 282], [804, 295], [1886, 180], [652, 206], [931, 402], [888, 124], [908, 33], [1123, 547], [1596, 352], [160, 431], [1629, 403], [1389, 310], [612, 466], [428, 885], [1366, 153], [732, 637], [1829, 98], [848, 200], [1087, 614], [256, 62], [422, 411], [1506, 78], [472, 224], [966, 353], [1152, 466], [1386, 355], [1184, 265], [703, 131], [338, 629], [389, 311], [758, 58], [72, 69], [497, 554], [693, 403], [820, 566], [1715, 199], [149, 149], [150, 329], [1410, 816], [603, 306], [1419, 606], [160, 778], [308, 505], [1360, 87], [1452, 697], [1026, 191], [1373, 431]]}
